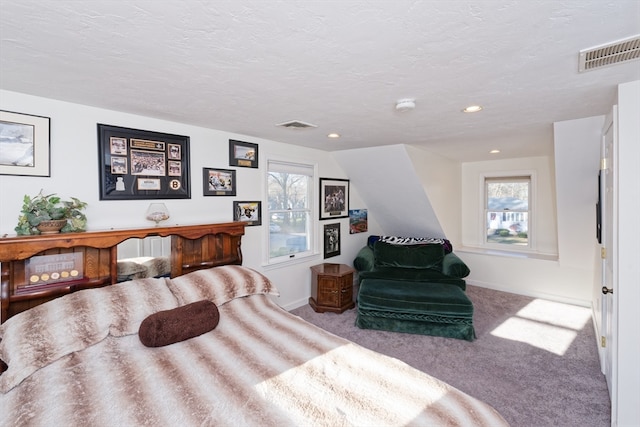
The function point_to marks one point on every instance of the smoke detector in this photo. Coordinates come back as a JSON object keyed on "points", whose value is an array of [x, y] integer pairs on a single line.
{"points": [[405, 104]]}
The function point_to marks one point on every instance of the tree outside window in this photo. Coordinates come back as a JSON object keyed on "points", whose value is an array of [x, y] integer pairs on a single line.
{"points": [[289, 210]]}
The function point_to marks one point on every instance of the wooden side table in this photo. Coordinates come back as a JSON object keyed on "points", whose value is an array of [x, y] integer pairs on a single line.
{"points": [[331, 288]]}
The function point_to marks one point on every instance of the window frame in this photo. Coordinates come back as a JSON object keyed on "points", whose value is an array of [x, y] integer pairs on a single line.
{"points": [[311, 226], [532, 218]]}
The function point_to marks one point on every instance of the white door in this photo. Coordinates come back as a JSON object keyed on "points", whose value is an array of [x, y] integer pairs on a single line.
{"points": [[609, 245]]}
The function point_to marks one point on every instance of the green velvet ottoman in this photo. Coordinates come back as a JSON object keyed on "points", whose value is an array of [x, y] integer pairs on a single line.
{"points": [[437, 309]]}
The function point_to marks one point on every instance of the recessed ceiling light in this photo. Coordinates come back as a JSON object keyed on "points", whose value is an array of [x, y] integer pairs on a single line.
{"points": [[333, 135], [472, 109], [403, 105], [494, 151]]}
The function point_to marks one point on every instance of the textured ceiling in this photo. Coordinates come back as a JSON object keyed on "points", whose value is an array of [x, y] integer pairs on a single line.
{"points": [[244, 66]]}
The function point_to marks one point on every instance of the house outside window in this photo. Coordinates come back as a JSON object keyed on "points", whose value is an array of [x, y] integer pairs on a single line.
{"points": [[507, 211], [290, 210]]}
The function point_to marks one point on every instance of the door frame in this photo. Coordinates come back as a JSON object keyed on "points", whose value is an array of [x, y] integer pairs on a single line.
{"points": [[609, 247]]}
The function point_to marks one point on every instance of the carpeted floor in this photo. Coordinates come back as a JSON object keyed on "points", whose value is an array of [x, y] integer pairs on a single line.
{"points": [[535, 361]]}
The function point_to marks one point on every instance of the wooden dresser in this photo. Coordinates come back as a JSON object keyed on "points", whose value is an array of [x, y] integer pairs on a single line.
{"points": [[193, 247]]}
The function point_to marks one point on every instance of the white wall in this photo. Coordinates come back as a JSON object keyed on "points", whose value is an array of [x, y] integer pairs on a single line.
{"points": [[388, 180], [533, 277], [441, 179], [627, 294], [577, 153], [557, 273], [544, 220], [74, 172]]}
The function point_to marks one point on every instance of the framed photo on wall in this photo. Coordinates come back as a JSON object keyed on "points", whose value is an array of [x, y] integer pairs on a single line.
{"points": [[358, 221], [138, 164], [24, 144], [243, 154], [334, 198], [249, 212], [218, 182], [331, 240]]}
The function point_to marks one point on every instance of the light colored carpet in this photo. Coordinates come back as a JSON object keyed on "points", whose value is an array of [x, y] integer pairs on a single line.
{"points": [[535, 361]]}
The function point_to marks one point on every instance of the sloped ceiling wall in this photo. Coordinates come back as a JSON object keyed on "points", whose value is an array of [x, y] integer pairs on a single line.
{"points": [[387, 180]]}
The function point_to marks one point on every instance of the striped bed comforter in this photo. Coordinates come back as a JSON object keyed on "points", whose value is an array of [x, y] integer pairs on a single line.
{"points": [[261, 366]]}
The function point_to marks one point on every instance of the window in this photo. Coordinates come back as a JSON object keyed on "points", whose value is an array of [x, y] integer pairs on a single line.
{"points": [[507, 210], [289, 210]]}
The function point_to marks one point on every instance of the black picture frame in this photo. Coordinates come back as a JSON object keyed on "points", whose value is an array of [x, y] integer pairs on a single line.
{"points": [[243, 154], [25, 143], [331, 236], [218, 182], [334, 198], [148, 165], [249, 212]]}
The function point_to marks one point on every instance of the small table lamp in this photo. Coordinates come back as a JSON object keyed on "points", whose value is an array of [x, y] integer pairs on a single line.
{"points": [[157, 212]]}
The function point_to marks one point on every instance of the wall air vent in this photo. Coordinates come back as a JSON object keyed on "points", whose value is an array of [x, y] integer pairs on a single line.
{"points": [[296, 124], [609, 54]]}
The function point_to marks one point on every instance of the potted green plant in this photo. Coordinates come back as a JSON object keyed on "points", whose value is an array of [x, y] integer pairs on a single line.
{"points": [[46, 214]]}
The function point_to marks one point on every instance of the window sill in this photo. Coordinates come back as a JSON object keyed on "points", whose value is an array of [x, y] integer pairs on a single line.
{"points": [[508, 254], [312, 256]]}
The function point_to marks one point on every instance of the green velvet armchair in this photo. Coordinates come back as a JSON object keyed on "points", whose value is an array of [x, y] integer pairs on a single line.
{"points": [[413, 288]]}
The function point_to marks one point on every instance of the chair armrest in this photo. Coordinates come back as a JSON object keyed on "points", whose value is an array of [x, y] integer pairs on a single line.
{"points": [[364, 260], [454, 266]]}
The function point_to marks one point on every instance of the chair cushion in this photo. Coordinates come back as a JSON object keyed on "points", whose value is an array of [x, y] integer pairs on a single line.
{"points": [[425, 275], [414, 297], [408, 256], [452, 265]]}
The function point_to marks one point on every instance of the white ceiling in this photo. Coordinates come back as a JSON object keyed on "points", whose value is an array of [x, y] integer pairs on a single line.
{"points": [[244, 66]]}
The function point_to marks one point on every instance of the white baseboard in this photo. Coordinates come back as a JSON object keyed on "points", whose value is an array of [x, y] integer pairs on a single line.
{"points": [[299, 303], [541, 295], [295, 304]]}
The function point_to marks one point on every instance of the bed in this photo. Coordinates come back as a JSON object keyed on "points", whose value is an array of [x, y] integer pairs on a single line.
{"points": [[79, 360]]}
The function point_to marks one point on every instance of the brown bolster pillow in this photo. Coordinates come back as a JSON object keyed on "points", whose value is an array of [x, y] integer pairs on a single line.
{"points": [[179, 324]]}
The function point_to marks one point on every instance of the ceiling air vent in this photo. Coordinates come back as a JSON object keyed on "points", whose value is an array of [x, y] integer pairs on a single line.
{"points": [[609, 54], [296, 124]]}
